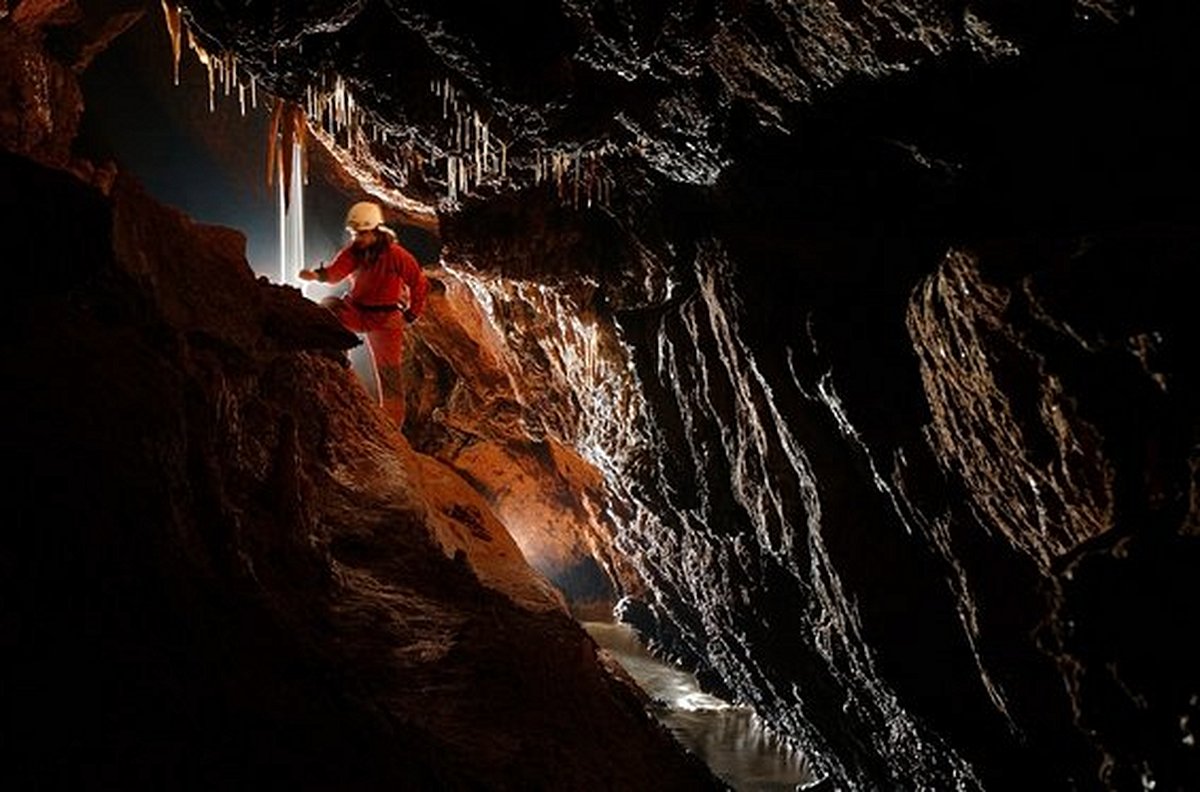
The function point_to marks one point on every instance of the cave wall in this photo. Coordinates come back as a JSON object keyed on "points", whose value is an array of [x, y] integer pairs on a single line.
{"points": [[922, 447], [930, 400], [932, 551], [899, 290], [909, 370]]}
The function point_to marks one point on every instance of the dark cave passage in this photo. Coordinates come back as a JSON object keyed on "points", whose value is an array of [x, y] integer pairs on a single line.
{"points": [[843, 351]]}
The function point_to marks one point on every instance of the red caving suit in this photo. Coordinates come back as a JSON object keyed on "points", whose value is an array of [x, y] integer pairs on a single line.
{"points": [[379, 292]]}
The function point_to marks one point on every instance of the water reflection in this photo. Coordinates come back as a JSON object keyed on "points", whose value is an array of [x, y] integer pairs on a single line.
{"points": [[730, 739]]}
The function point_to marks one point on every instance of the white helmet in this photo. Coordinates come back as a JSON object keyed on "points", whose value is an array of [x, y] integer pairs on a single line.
{"points": [[364, 216]]}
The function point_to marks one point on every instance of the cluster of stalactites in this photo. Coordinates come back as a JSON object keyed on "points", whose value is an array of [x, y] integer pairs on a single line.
{"points": [[473, 155], [579, 177], [332, 107], [222, 69], [341, 122]]}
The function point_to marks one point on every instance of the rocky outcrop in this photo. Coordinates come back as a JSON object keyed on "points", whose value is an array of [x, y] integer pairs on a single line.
{"points": [[526, 395]]}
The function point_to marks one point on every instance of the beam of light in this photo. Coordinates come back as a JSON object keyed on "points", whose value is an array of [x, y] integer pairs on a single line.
{"points": [[283, 252], [287, 160], [291, 217], [295, 212]]}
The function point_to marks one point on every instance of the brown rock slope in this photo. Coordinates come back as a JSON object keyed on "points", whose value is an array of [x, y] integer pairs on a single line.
{"points": [[220, 569]]}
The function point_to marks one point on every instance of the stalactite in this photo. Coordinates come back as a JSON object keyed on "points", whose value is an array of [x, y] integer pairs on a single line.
{"points": [[478, 151], [203, 56], [485, 143], [560, 168], [273, 139], [174, 30], [589, 178], [575, 198], [272, 165]]}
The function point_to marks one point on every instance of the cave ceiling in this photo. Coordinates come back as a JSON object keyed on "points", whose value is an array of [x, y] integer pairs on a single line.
{"points": [[848, 109]]}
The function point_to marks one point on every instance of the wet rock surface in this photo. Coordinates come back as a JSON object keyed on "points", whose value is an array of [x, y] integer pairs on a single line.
{"points": [[891, 383]]}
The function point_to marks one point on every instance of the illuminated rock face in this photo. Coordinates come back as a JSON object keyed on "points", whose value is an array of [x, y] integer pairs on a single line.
{"points": [[529, 396], [892, 385]]}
